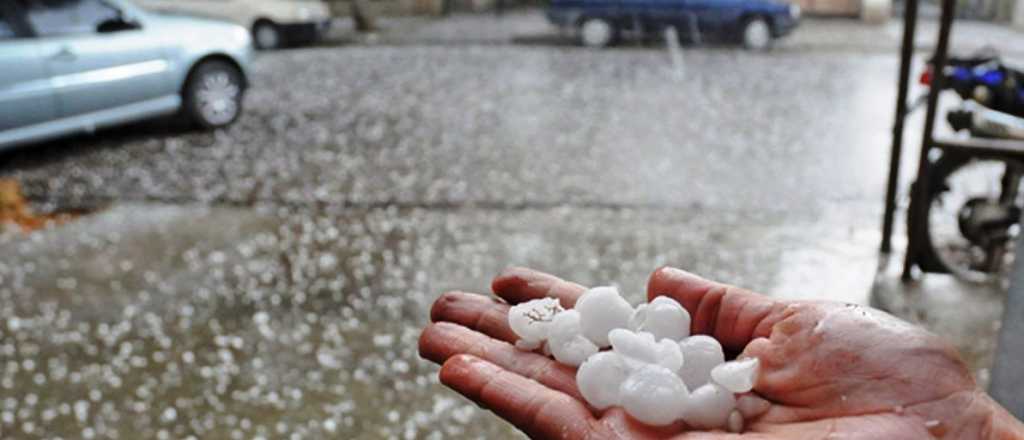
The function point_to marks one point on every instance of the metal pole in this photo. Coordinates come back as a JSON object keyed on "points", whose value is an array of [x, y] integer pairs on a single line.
{"points": [[1007, 374], [906, 56], [918, 198]]}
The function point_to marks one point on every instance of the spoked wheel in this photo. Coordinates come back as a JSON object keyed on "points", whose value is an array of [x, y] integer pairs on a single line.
{"points": [[973, 218], [597, 32], [213, 94], [757, 34]]}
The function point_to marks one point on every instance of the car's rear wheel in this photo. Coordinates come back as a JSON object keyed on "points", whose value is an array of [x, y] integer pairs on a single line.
{"points": [[213, 94], [266, 35], [757, 34], [597, 32]]}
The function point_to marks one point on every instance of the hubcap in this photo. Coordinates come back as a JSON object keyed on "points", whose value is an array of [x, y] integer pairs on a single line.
{"points": [[218, 98], [596, 33], [267, 37], [757, 34]]}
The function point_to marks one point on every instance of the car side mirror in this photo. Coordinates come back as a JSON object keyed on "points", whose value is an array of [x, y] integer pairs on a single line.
{"points": [[117, 24]]}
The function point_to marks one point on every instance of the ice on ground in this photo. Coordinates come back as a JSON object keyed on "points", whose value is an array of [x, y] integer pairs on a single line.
{"points": [[602, 310], [640, 348], [600, 377], [566, 341], [709, 407], [654, 395], [738, 376], [532, 319], [701, 354], [664, 318]]}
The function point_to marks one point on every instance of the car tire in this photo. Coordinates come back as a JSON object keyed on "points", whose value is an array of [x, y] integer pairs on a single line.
{"points": [[213, 94], [597, 32], [757, 34], [267, 35]]}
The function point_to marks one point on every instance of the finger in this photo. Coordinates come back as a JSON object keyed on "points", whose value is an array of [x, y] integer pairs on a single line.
{"points": [[481, 313], [442, 341], [519, 284], [537, 410], [732, 315]]}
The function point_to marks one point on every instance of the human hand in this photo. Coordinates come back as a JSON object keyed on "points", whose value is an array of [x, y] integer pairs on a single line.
{"points": [[828, 370]]}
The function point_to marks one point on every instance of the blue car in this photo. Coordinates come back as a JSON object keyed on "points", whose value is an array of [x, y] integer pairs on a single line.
{"points": [[599, 23]]}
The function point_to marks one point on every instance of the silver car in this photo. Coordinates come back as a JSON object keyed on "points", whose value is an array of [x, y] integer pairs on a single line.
{"points": [[70, 66]]}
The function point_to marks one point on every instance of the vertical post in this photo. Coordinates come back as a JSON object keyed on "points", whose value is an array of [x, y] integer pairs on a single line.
{"points": [[919, 197], [906, 56], [1007, 374]]}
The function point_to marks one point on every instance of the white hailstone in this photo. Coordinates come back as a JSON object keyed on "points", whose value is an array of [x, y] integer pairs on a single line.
{"points": [[701, 354], [663, 317], [654, 395], [602, 310], [525, 345], [530, 320], [737, 376], [566, 341], [751, 406], [735, 422], [710, 406], [639, 349], [600, 377]]}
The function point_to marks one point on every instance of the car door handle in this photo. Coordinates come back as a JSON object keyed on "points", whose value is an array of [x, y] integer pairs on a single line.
{"points": [[64, 54]]}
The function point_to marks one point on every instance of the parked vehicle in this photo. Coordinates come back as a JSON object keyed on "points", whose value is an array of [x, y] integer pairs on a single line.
{"points": [[274, 23], [599, 23], [77, 65]]}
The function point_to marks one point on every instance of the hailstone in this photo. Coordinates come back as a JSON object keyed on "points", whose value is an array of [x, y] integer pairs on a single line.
{"points": [[663, 317], [654, 395], [738, 376], [701, 354], [532, 319], [602, 310], [710, 407], [565, 340], [639, 348], [600, 377]]}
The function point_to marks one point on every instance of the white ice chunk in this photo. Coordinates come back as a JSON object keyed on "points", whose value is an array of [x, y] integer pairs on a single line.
{"points": [[530, 320], [602, 310], [735, 422], [701, 354], [566, 341], [737, 376], [600, 377], [523, 344], [639, 349], [709, 407], [663, 317], [654, 395]]}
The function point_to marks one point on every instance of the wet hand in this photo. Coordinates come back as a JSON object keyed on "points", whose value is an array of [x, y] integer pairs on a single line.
{"points": [[826, 368]]}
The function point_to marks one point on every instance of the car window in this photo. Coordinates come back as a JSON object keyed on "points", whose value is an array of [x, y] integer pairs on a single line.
{"points": [[62, 17], [6, 28]]}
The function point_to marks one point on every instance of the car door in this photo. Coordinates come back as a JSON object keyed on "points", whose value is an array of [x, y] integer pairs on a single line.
{"points": [[93, 67], [26, 97]]}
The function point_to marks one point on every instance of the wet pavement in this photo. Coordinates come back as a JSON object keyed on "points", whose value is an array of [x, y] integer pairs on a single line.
{"points": [[270, 280]]}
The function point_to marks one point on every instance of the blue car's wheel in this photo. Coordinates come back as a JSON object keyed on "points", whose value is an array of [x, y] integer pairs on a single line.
{"points": [[597, 32], [757, 34], [213, 94]]}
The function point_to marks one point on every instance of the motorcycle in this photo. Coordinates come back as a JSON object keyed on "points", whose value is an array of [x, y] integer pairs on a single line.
{"points": [[972, 214]]}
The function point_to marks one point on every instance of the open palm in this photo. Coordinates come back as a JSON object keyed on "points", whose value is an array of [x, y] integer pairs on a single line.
{"points": [[828, 370]]}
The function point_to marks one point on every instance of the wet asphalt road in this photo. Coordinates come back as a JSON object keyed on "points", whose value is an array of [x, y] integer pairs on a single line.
{"points": [[270, 280]]}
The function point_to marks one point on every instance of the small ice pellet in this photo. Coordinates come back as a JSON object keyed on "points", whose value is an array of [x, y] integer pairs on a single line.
{"points": [[566, 342], [654, 395], [710, 406], [602, 310], [639, 349], [664, 318], [600, 377], [530, 320], [738, 376], [701, 354], [735, 422], [523, 344], [751, 406]]}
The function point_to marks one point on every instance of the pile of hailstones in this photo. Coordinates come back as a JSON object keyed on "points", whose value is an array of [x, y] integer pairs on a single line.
{"points": [[655, 370]]}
